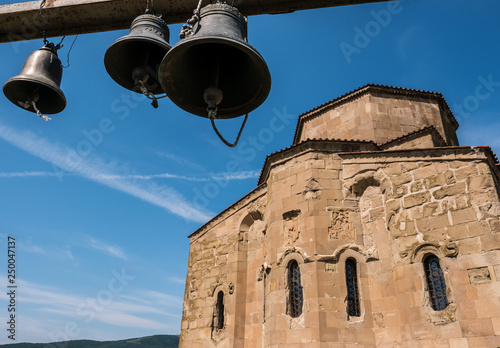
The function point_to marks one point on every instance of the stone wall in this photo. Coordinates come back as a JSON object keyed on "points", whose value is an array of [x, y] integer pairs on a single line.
{"points": [[379, 116], [381, 206], [447, 204], [387, 211]]}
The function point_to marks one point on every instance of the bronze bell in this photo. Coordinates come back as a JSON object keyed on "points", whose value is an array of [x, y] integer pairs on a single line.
{"points": [[38, 85], [136, 57], [214, 67]]}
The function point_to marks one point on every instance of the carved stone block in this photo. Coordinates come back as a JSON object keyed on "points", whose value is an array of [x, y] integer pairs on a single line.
{"points": [[291, 226], [479, 275], [341, 225]]}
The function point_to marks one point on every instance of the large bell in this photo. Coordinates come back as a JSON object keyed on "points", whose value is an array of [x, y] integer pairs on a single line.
{"points": [[39, 83], [136, 57], [215, 67]]}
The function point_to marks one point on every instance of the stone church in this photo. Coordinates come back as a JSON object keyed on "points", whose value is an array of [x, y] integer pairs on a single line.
{"points": [[374, 229]]}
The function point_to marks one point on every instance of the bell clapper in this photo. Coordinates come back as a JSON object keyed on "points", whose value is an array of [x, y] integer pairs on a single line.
{"points": [[213, 97], [32, 101]]}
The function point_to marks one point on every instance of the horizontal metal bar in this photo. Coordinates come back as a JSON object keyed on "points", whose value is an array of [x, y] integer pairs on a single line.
{"points": [[22, 21]]}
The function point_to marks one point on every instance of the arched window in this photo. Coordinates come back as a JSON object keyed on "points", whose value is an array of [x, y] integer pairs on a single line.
{"points": [[435, 282], [218, 323], [351, 279], [295, 296]]}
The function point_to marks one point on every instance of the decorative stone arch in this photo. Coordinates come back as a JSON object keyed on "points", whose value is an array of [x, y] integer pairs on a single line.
{"points": [[227, 287], [296, 253], [219, 293], [363, 253], [250, 223], [417, 256], [298, 256], [245, 223], [357, 185], [359, 255], [419, 251]]}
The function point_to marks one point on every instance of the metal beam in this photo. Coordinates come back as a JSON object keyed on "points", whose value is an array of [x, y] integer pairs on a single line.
{"points": [[22, 21]]}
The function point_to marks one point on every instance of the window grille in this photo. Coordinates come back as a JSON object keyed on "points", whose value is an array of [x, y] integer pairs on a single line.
{"points": [[295, 290], [436, 283], [219, 312], [351, 277]]}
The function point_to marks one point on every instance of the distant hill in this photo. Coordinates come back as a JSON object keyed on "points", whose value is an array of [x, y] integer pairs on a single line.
{"points": [[157, 341]]}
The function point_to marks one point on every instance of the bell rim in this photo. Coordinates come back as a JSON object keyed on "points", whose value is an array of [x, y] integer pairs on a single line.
{"points": [[122, 40], [191, 41], [57, 91]]}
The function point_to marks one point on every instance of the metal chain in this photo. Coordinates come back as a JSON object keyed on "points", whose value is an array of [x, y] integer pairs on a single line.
{"points": [[149, 95], [211, 115], [44, 23]]}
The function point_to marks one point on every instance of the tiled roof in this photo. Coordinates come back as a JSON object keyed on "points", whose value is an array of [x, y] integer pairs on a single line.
{"points": [[429, 129], [307, 142]]}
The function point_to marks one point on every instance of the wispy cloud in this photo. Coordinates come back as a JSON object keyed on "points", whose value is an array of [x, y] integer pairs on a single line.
{"points": [[29, 174], [177, 280], [52, 251], [180, 160], [243, 175], [251, 174], [66, 159], [111, 250], [147, 310], [151, 176]]}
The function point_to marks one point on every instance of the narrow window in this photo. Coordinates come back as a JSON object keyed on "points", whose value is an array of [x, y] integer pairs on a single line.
{"points": [[219, 312], [436, 283], [295, 297], [351, 278]]}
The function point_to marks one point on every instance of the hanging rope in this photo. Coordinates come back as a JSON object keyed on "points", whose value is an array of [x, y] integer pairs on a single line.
{"points": [[70, 48], [39, 113], [211, 115], [30, 103]]}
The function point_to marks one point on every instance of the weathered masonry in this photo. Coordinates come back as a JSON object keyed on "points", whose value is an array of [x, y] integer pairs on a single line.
{"points": [[389, 240]]}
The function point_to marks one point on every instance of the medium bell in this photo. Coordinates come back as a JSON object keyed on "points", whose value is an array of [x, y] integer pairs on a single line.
{"points": [[213, 70], [133, 60], [37, 88]]}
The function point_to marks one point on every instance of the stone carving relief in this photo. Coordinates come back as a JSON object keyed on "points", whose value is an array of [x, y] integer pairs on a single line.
{"points": [[291, 227], [479, 275], [256, 209], [450, 249], [341, 226], [312, 190], [263, 270]]}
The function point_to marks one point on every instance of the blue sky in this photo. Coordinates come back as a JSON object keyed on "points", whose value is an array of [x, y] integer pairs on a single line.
{"points": [[102, 230]]}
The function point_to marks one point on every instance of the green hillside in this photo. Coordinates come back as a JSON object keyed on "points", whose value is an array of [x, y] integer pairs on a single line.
{"points": [[157, 341]]}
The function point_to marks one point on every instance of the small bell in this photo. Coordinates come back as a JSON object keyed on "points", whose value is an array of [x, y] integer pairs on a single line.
{"points": [[213, 72], [37, 87], [133, 60]]}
